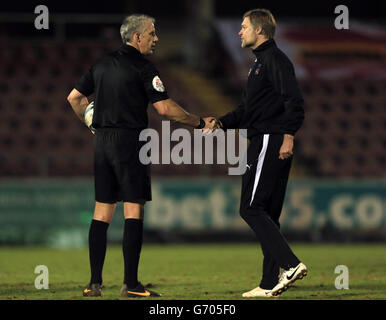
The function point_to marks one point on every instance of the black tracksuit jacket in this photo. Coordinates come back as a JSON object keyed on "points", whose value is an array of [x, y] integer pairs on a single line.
{"points": [[272, 101]]}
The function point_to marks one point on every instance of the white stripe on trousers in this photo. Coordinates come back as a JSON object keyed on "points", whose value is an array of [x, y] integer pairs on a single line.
{"points": [[259, 165]]}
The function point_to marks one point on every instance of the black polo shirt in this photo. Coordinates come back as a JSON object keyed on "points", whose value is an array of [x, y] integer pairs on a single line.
{"points": [[123, 83]]}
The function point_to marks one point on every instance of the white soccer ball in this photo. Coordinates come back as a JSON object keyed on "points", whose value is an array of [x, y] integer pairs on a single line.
{"points": [[88, 114]]}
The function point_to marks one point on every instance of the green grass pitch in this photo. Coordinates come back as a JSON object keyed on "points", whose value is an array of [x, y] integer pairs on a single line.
{"points": [[205, 272]]}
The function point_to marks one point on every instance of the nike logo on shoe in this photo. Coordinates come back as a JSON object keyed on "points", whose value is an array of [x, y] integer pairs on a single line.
{"points": [[143, 294], [293, 273]]}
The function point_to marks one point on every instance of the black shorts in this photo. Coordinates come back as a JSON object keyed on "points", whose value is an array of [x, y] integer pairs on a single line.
{"points": [[119, 174]]}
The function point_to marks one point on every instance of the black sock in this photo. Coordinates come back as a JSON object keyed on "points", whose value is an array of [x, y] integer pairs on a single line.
{"points": [[131, 245], [97, 239]]}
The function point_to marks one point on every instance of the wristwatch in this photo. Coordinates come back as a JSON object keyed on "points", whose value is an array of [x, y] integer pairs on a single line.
{"points": [[201, 125]]}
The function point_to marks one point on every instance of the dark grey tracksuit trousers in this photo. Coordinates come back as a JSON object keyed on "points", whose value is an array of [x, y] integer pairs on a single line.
{"points": [[262, 195]]}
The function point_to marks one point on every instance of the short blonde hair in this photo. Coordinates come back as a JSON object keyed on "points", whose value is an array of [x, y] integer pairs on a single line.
{"points": [[262, 18]]}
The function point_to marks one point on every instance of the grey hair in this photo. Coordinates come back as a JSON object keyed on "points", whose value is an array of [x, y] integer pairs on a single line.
{"points": [[134, 23]]}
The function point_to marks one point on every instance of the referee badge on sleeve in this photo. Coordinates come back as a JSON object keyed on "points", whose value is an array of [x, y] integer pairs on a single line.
{"points": [[157, 84]]}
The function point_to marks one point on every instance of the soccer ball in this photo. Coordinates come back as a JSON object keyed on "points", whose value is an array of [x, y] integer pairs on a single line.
{"points": [[88, 114]]}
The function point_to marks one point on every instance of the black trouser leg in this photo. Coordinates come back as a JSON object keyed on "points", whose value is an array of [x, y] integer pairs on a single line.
{"points": [[263, 190], [270, 237], [271, 268], [271, 271]]}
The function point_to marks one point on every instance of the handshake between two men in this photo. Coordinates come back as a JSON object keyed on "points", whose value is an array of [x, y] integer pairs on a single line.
{"points": [[211, 124]]}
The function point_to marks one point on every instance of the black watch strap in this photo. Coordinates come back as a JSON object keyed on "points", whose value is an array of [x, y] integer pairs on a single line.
{"points": [[202, 124]]}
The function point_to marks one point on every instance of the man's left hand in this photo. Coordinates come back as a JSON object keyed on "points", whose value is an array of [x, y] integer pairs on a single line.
{"points": [[287, 147]]}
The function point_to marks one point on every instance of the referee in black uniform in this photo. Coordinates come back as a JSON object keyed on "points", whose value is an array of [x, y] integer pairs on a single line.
{"points": [[272, 111], [123, 83]]}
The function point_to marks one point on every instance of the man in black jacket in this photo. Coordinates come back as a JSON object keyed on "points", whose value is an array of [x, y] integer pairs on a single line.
{"points": [[272, 111]]}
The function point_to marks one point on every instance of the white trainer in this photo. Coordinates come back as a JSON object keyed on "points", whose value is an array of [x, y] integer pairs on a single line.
{"points": [[288, 277], [257, 292]]}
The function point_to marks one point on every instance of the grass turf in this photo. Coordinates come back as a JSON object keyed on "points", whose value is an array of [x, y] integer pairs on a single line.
{"points": [[207, 272]]}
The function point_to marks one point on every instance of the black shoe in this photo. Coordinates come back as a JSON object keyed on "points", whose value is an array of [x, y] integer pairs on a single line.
{"points": [[93, 290], [139, 291]]}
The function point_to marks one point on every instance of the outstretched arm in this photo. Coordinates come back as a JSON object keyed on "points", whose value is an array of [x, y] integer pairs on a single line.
{"points": [[172, 111], [233, 119]]}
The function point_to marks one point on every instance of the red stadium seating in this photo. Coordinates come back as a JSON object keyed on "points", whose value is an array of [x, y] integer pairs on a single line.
{"points": [[343, 135]]}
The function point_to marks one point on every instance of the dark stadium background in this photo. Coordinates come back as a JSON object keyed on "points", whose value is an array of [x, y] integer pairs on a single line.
{"points": [[337, 186]]}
